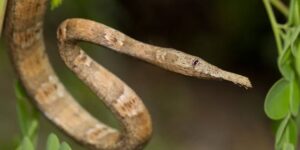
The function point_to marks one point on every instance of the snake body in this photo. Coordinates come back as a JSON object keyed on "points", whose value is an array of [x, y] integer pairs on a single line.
{"points": [[24, 33]]}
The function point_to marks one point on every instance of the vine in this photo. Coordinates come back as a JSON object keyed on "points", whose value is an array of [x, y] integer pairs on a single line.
{"points": [[283, 99]]}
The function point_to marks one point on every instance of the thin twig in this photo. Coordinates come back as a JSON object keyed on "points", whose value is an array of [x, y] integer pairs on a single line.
{"points": [[274, 23], [280, 7]]}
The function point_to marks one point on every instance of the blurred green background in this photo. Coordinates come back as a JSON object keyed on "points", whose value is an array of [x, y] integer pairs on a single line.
{"points": [[187, 113]]}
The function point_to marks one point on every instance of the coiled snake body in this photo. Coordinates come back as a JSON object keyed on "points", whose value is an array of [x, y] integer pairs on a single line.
{"points": [[24, 33]]}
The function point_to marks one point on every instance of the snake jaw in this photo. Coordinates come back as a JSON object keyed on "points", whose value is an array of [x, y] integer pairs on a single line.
{"points": [[204, 69]]}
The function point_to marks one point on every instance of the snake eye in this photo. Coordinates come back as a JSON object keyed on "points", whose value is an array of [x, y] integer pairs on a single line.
{"points": [[195, 62], [2, 13]]}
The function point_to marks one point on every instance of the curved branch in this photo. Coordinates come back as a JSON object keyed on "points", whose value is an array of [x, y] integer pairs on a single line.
{"points": [[281, 7]]}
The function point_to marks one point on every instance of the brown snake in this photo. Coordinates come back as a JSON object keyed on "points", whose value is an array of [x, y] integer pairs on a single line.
{"points": [[24, 33]]}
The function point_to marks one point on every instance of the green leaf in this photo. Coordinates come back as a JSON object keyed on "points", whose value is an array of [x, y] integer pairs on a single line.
{"points": [[291, 37], [26, 144], [288, 146], [64, 146], [52, 142], [290, 134], [297, 63], [55, 4], [285, 64], [22, 117], [296, 54], [291, 12], [22, 111], [27, 116], [20, 91], [281, 129], [294, 96], [293, 132], [294, 13], [33, 130], [277, 100]]}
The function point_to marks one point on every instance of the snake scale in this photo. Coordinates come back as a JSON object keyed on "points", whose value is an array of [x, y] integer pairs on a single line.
{"points": [[24, 36]]}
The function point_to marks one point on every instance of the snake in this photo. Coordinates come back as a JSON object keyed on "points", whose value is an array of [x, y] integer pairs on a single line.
{"points": [[24, 36]]}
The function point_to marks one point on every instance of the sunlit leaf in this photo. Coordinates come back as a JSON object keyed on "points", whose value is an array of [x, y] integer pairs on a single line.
{"points": [[20, 91], [277, 100], [52, 142], [293, 18], [55, 4], [64, 146], [296, 54], [291, 37], [293, 132], [26, 144], [27, 115], [285, 64], [22, 109], [296, 13], [33, 130], [281, 130], [294, 96], [288, 146], [287, 134]]}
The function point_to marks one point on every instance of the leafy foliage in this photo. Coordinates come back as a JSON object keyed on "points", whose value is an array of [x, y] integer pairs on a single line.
{"points": [[283, 99], [26, 144], [28, 121], [55, 4], [53, 143], [277, 102], [27, 116]]}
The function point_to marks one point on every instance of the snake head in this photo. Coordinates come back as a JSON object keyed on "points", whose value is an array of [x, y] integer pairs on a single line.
{"points": [[194, 66]]}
